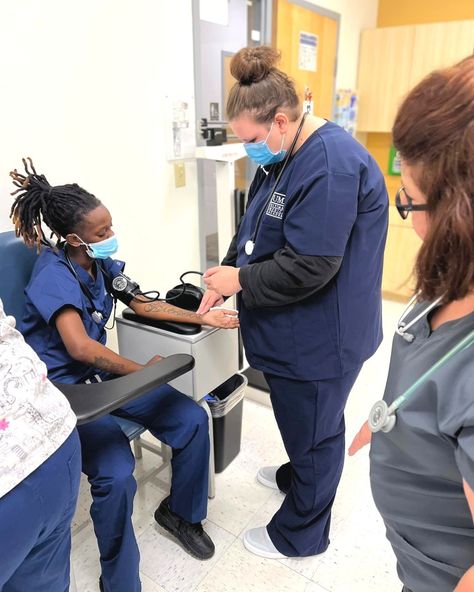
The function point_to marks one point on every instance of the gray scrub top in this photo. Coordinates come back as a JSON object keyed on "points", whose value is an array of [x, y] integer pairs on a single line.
{"points": [[417, 469]]}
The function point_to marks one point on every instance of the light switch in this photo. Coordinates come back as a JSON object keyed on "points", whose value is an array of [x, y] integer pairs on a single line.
{"points": [[179, 174]]}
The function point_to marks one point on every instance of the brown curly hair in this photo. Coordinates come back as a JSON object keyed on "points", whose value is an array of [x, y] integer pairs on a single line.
{"points": [[434, 133]]}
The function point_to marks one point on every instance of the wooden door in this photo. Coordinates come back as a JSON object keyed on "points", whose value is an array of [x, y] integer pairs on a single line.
{"points": [[294, 31]]}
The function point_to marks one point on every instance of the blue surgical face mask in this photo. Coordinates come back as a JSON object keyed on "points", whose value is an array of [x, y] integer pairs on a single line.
{"points": [[260, 153], [101, 249]]}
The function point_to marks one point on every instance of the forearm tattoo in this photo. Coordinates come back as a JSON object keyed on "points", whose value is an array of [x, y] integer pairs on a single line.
{"points": [[172, 310], [105, 364]]}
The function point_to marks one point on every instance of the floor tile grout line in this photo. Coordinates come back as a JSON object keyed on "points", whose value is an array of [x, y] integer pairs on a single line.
{"points": [[205, 574]]}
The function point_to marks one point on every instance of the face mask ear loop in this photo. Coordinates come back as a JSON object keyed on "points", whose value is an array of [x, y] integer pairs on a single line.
{"points": [[282, 141], [89, 251], [269, 132]]}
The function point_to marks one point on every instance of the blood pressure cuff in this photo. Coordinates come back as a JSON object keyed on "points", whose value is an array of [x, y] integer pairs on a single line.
{"points": [[124, 289], [187, 296]]}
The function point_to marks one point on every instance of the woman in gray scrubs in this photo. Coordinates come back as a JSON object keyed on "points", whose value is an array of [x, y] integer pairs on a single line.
{"points": [[422, 471]]}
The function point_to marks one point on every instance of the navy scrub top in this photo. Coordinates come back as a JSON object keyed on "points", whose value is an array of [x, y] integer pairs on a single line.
{"points": [[331, 201], [52, 287]]}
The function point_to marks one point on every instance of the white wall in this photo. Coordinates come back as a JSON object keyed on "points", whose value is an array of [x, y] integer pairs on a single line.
{"points": [[215, 39], [356, 15], [82, 87]]}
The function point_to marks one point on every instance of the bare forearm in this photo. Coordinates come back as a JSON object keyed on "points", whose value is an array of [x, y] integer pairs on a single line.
{"points": [[466, 583], [223, 319], [165, 312], [96, 355]]}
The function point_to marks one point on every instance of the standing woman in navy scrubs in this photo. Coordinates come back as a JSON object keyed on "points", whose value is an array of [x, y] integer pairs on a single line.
{"points": [[307, 265]]}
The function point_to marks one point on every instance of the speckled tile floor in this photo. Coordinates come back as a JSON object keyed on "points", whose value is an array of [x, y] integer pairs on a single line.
{"points": [[358, 560]]}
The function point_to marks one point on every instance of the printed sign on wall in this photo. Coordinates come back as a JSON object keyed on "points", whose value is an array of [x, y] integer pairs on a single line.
{"points": [[308, 52]]}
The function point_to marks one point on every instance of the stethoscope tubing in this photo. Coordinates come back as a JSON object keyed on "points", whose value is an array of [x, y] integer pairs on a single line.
{"points": [[460, 346], [253, 237], [382, 417]]}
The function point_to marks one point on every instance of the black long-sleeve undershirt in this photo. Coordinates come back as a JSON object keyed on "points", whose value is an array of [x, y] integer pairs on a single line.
{"points": [[286, 278]]}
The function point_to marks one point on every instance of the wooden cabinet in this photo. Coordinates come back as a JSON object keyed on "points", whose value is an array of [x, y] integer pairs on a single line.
{"points": [[400, 255], [393, 59], [440, 45], [384, 75]]}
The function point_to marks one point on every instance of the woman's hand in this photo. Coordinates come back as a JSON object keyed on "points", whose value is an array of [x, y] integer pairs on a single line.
{"points": [[209, 300], [223, 280], [363, 437], [224, 319]]}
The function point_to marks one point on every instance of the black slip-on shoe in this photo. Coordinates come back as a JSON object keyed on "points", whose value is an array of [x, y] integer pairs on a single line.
{"points": [[192, 537]]}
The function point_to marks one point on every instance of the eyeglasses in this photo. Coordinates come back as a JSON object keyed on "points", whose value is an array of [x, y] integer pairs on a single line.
{"points": [[405, 208]]}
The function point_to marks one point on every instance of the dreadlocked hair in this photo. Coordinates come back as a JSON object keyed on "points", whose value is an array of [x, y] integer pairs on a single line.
{"points": [[61, 208]]}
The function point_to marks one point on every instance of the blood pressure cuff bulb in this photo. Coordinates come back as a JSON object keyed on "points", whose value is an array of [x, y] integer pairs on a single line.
{"points": [[186, 296]]}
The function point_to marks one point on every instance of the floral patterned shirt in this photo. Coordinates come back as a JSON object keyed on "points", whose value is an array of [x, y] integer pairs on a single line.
{"points": [[35, 418]]}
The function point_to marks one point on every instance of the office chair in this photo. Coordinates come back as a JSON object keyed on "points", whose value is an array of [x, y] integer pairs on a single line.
{"points": [[88, 401]]}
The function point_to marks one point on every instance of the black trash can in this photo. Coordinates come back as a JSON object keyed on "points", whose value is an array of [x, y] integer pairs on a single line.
{"points": [[226, 404]]}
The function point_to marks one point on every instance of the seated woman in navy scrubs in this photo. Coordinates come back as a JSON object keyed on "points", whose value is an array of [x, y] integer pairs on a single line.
{"points": [[64, 323], [307, 264], [422, 471]]}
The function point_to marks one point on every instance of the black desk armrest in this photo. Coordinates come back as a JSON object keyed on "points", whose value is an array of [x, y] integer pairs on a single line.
{"points": [[171, 326], [91, 401]]}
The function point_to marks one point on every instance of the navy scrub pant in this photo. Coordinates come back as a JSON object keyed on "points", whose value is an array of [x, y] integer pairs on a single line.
{"points": [[108, 462], [310, 416], [35, 524]]}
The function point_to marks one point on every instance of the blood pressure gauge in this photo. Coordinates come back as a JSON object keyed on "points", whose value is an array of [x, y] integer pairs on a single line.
{"points": [[120, 283]]}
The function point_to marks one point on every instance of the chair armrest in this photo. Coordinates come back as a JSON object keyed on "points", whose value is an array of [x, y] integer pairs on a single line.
{"points": [[91, 401]]}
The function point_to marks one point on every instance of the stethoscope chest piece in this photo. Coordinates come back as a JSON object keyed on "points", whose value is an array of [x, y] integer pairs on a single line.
{"points": [[97, 317], [249, 247], [380, 419]]}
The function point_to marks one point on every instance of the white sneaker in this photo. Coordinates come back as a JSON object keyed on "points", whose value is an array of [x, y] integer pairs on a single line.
{"points": [[257, 541], [267, 476]]}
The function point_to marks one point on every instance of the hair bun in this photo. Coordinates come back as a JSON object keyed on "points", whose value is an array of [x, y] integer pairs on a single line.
{"points": [[252, 64]]}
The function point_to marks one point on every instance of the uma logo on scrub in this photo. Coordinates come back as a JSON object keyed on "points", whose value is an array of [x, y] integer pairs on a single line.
{"points": [[276, 206]]}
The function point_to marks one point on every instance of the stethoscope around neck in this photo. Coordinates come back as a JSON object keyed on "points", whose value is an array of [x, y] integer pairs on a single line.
{"points": [[402, 327], [382, 416], [96, 315], [250, 244]]}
